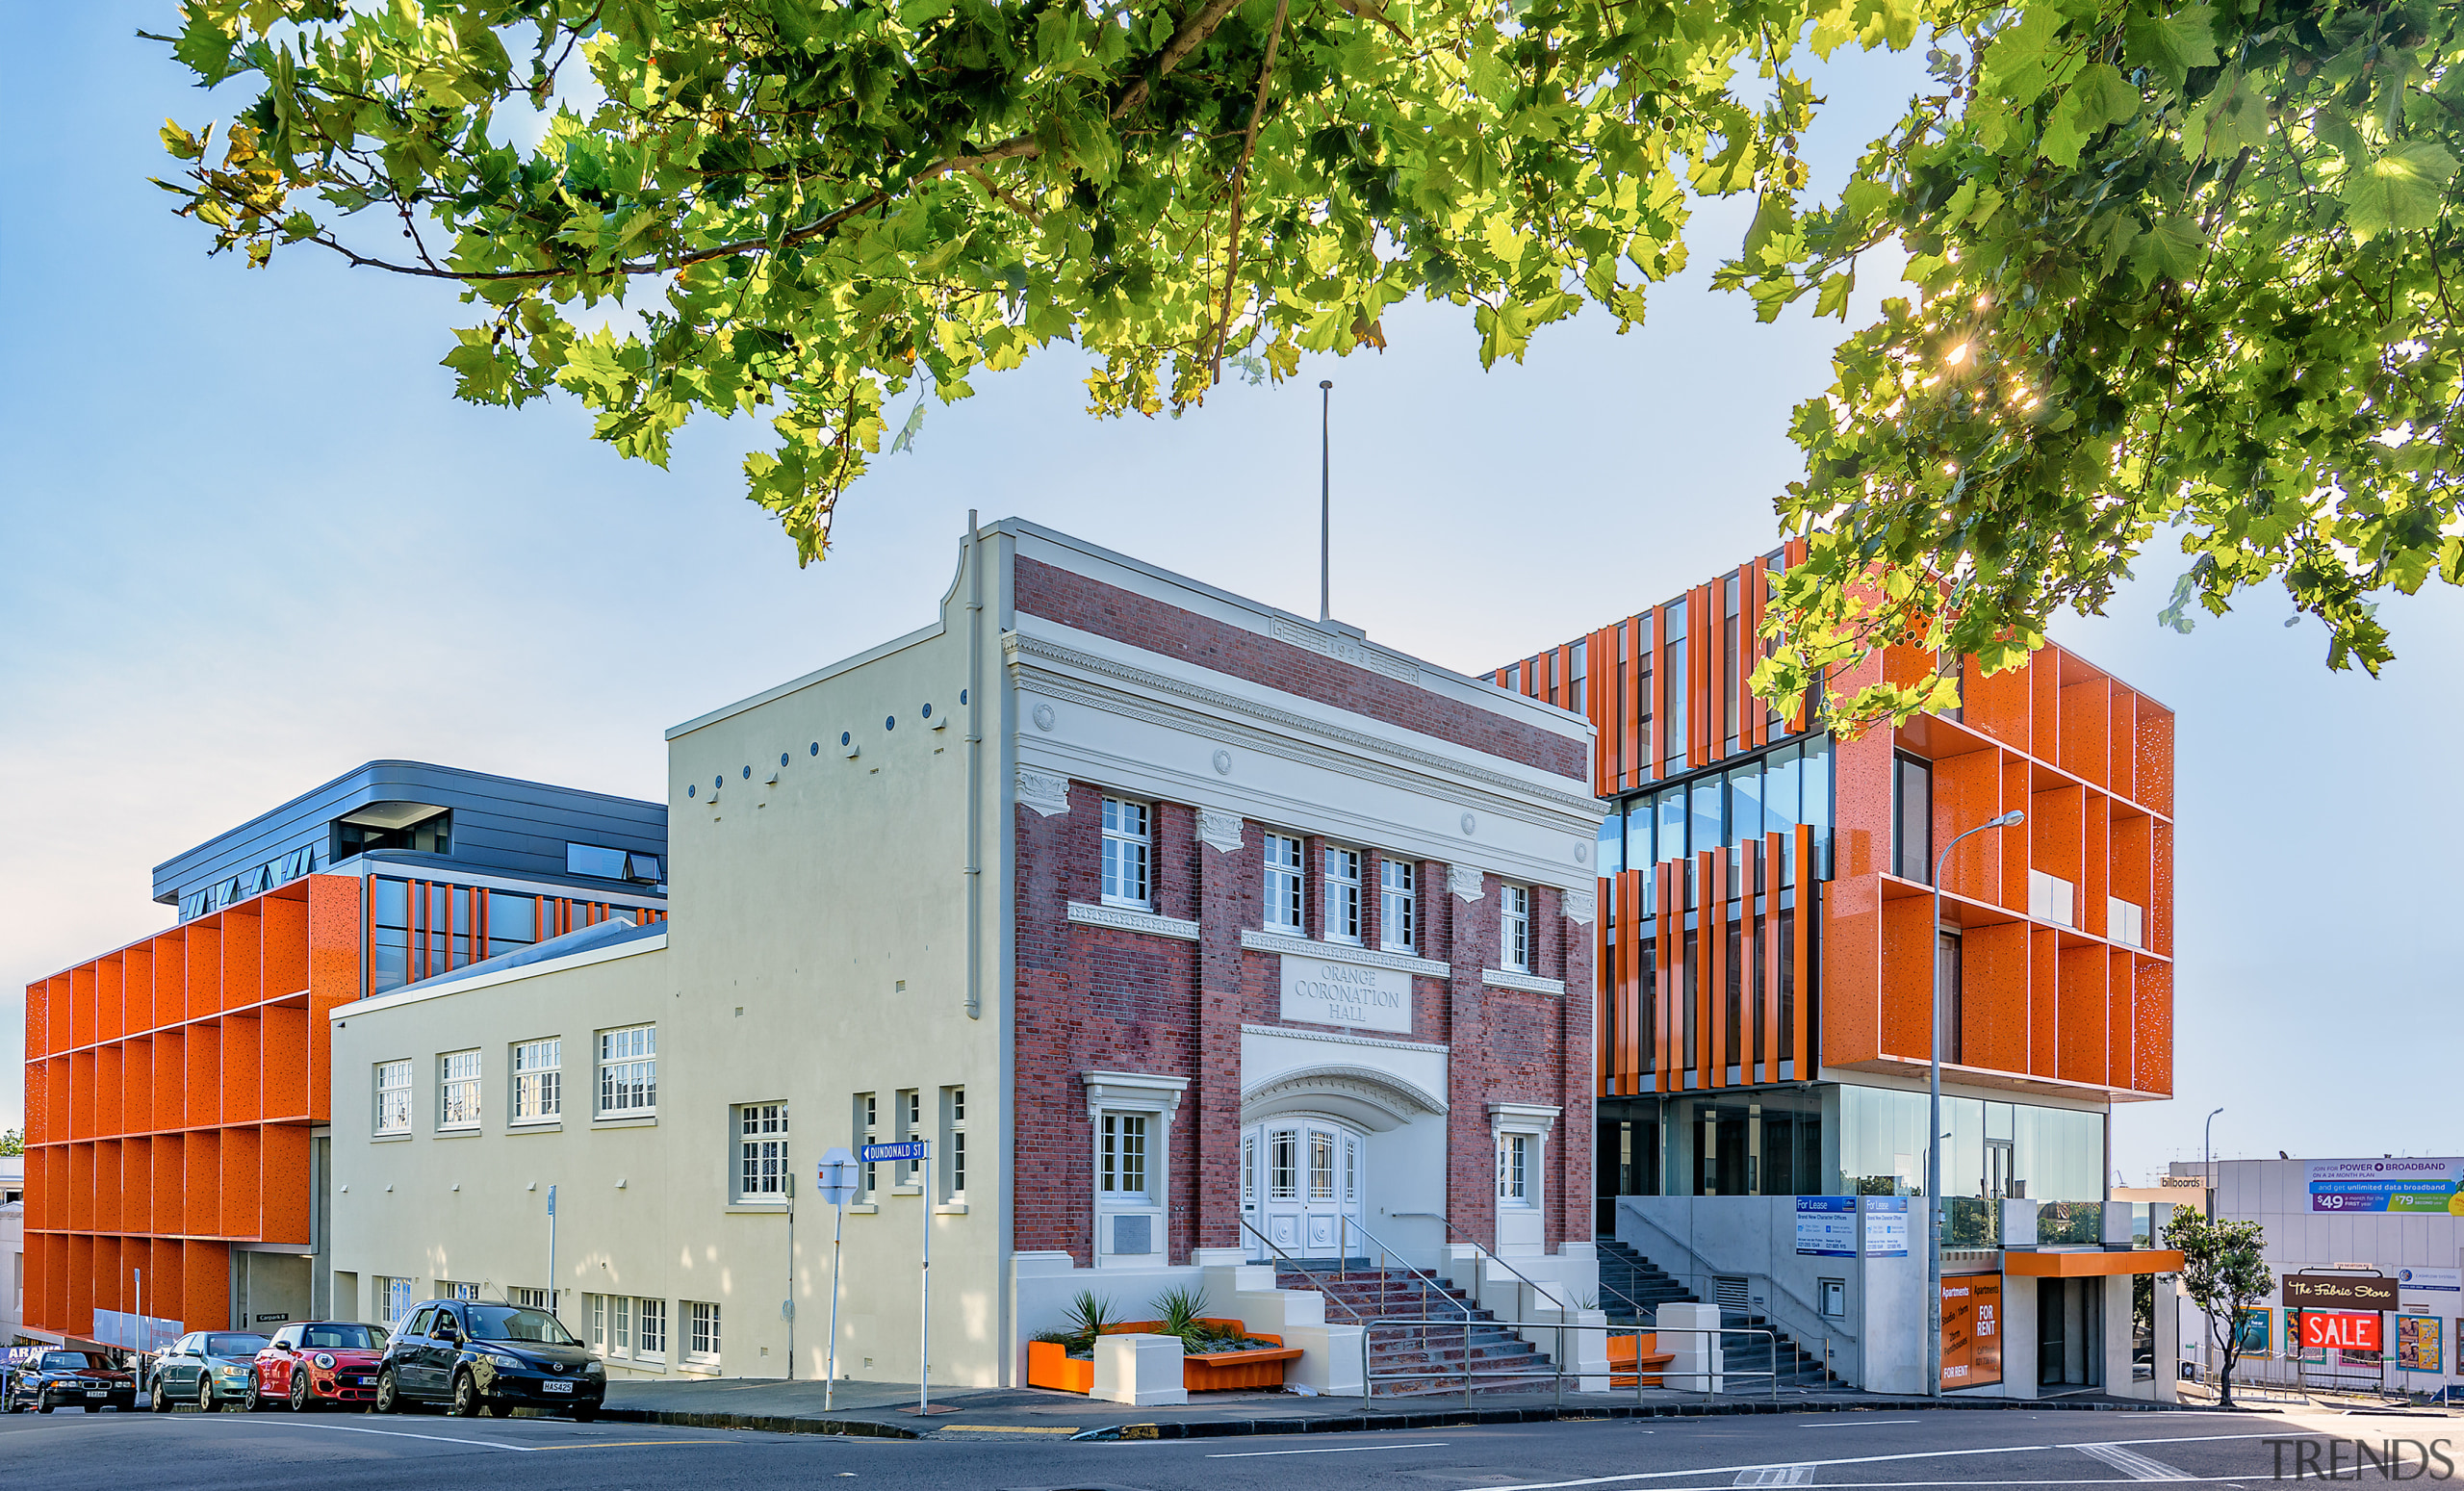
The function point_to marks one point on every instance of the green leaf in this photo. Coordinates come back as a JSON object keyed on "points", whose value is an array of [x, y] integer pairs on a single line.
{"points": [[2401, 192], [2101, 99], [2021, 62], [2172, 44], [2232, 118]]}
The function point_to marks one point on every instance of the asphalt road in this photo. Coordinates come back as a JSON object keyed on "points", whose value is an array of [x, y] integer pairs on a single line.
{"points": [[1879, 1451]]}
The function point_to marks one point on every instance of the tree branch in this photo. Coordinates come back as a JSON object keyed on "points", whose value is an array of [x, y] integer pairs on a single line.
{"points": [[1240, 179]]}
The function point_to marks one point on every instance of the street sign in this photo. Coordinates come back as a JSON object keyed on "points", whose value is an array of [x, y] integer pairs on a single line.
{"points": [[904, 1149], [551, 1201], [836, 1177], [2338, 1292]]}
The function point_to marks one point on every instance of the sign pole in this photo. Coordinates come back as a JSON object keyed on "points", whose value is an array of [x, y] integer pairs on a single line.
{"points": [[924, 1342], [837, 1176], [829, 1387], [790, 1309], [554, 1293]]}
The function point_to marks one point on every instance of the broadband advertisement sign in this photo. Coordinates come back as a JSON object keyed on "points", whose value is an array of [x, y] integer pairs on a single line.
{"points": [[2402, 1185]]}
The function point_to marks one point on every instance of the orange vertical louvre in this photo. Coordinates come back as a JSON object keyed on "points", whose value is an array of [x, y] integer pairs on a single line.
{"points": [[1750, 583], [1806, 920], [1774, 856], [1665, 950], [1714, 675], [1791, 554], [1629, 700], [1630, 979], [1701, 645], [1561, 679], [1709, 944], [1659, 681], [1602, 689]]}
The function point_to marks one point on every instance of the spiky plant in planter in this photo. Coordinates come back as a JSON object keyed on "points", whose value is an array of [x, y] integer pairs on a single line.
{"points": [[1089, 1318]]}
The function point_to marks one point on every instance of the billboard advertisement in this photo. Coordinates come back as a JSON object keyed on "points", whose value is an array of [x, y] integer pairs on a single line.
{"points": [[2342, 1330], [1972, 1330], [2399, 1185], [1827, 1226], [2418, 1346]]}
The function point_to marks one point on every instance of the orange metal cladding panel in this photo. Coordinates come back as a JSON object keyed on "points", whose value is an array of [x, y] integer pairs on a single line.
{"points": [[284, 1182], [2081, 973], [201, 1100], [1599, 700], [2156, 757], [287, 1038], [201, 1186], [2096, 1265], [1630, 980], [136, 1185], [2152, 1010], [205, 966], [170, 1182], [81, 1095], [2121, 1026], [1629, 702], [1756, 588], [80, 1317], [1703, 674], [110, 999], [2016, 851], [333, 955], [1993, 993], [1906, 979], [1851, 981], [243, 1078], [1774, 858], [2160, 890], [1562, 678], [205, 1295], [244, 937], [2085, 733]]}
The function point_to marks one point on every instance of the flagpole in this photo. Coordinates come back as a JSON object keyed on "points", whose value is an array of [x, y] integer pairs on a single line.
{"points": [[1325, 493]]}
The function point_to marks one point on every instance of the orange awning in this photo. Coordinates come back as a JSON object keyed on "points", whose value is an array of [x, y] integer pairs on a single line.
{"points": [[2096, 1265]]}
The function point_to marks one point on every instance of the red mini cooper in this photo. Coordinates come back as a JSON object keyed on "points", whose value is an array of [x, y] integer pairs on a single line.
{"points": [[320, 1362]]}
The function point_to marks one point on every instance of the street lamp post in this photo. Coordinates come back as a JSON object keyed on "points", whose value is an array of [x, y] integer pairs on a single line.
{"points": [[1934, 1111], [2207, 1160]]}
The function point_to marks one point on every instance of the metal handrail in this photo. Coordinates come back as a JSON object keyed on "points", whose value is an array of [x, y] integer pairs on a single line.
{"points": [[1557, 1367], [1448, 1223], [1821, 1323], [1357, 1318]]}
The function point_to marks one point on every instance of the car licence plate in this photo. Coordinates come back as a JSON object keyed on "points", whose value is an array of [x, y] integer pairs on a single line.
{"points": [[555, 1387], [98, 1392], [364, 1381]]}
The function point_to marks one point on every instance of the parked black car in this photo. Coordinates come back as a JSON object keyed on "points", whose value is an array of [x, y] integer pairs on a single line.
{"points": [[496, 1357], [59, 1378]]}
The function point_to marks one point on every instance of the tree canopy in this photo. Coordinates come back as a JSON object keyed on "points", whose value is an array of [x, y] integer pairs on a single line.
{"points": [[2224, 1272], [2177, 264]]}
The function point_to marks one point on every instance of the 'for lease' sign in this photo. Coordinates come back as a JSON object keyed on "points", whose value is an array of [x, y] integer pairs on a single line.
{"points": [[1325, 993]]}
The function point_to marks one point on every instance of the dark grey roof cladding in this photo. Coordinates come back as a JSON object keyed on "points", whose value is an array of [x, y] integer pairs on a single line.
{"points": [[603, 933], [500, 824]]}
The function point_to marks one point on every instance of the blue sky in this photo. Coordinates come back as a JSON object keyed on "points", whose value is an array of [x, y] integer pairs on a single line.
{"points": [[251, 541]]}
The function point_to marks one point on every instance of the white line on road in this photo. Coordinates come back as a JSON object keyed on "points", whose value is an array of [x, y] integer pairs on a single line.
{"points": [[397, 1433], [2138, 1466], [1254, 1455], [1849, 1421], [1776, 1475], [1880, 1459]]}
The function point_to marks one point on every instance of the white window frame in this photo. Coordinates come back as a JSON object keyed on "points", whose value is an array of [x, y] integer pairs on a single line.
{"points": [[395, 1298], [1128, 867], [392, 1114], [532, 1299], [650, 1329], [458, 1075], [953, 1144], [868, 1131], [758, 1177], [538, 1068], [1399, 906], [1116, 1096], [627, 1068], [907, 1113], [1343, 894], [1518, 1178], [1514, 929], [1285, 908], [700, 1338]]}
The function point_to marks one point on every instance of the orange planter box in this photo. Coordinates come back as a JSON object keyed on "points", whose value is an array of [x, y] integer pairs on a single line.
{"points": [[1049, 1363], [1625, 1351]]}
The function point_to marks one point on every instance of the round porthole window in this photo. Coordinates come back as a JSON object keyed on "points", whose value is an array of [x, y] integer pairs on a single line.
{"points": [[748, 773], [718, 782], [845, 737], [689, 787], [927, 712], [890, 722], [816, 748], [961, 696], [783, 757]]}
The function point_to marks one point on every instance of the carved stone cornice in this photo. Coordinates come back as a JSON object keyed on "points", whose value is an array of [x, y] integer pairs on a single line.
{"points": [[1124, 919], [1344, 952], [1499, 978]]}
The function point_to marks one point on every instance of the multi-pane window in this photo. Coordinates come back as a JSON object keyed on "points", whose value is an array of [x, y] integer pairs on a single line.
{"points": [[761, 1151], [457, 1089], [1397, 906], [1121, 1160], [629, 1070], [1322, 1166], [911, 1125], [538, 1081], [1514, 932], [650, 1327], [1248, 1169], [1514, 1170], [532, 1298], [1128, 851], [1283, 883], [394, 1097], [1343, 896], [1351, 1170], [701, 1332], [1283, 1165], [2125, 921], [868, 1131], [954, 1144], [457, 1289], [393, 1297]]}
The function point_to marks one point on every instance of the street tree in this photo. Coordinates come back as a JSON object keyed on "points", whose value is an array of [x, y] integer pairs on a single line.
{"points": [[2175, 265], [2224, 1273]]}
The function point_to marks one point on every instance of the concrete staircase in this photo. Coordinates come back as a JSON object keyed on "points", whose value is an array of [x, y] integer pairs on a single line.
{"points": [[1407, 1359], [1632, 1288]]}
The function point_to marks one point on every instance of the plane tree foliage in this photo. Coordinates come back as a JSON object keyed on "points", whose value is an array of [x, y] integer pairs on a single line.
{"points": [[2175, 265]]}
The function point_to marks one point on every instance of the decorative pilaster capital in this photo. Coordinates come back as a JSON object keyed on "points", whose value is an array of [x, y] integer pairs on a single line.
{"points": [[1220, 829], [1581, 906], [1046, 792], [1464, 882]]}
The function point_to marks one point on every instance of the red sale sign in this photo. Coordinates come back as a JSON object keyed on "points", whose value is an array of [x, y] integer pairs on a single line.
{"points": [[2342, 1329]]}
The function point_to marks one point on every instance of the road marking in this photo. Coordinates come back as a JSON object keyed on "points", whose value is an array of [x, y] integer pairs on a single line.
{"points": [[1851, 1421], [1776, 1475], [1884, 1459], [1009, 1428], [484, 1444], [1254, 1455], [2136, 1466]]}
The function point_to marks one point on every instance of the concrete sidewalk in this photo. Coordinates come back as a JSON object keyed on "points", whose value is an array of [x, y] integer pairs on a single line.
{"points": [[887, 1409]]}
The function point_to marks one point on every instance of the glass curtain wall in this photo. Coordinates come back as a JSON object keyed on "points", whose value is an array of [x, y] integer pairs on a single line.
{"points": [[1992, 1150]]}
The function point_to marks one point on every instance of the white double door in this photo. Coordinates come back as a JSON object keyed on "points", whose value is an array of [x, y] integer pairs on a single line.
{"points": [[1300, 1178]]}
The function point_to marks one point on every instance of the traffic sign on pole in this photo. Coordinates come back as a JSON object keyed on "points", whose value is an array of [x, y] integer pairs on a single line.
{"points": [[836, 1177]]}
